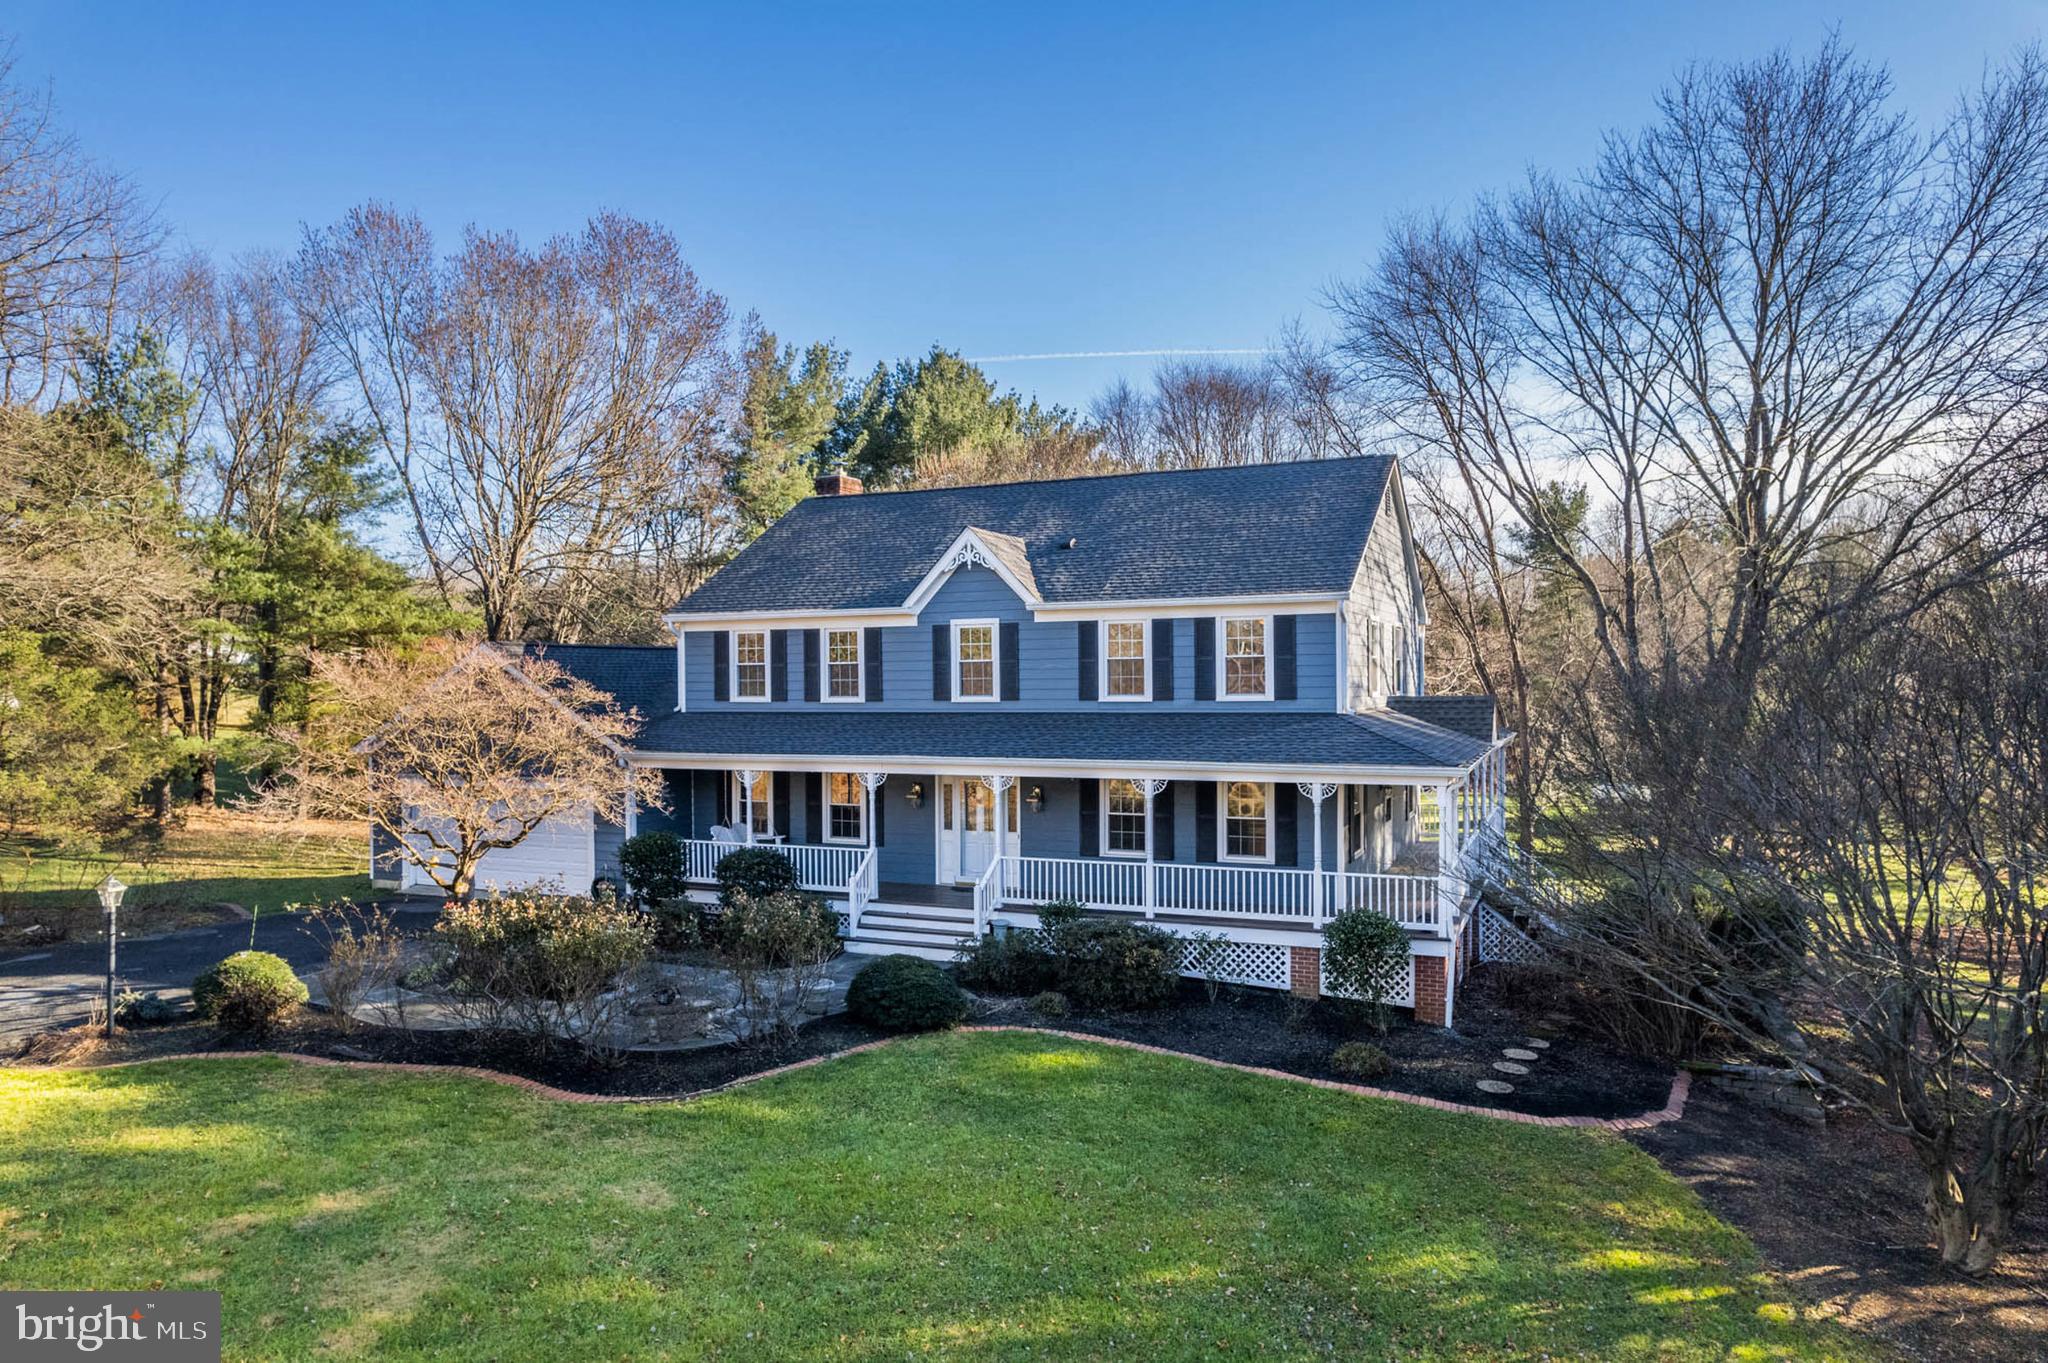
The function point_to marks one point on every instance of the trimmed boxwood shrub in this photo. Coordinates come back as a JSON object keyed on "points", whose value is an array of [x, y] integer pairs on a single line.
{"points": [[905, 994], [1101, 964], [1362, 950], [1050, 1004], [1361, 1060], [250, 991], [1010, 963], [755, 872], [654, 868]]}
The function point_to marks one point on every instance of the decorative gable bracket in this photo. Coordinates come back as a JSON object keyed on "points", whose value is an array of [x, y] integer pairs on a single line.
{"points": [[1003, 555]]}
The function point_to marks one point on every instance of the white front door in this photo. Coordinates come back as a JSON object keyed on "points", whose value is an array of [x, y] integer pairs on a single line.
{"points": [[977, 829]]}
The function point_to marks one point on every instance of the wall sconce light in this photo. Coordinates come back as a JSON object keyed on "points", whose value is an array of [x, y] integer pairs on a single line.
{"points": [[917, 794], [1035, 798]]}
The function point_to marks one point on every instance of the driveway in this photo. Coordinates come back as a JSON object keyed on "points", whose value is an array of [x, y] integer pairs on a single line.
{"points": [[57, 984]]}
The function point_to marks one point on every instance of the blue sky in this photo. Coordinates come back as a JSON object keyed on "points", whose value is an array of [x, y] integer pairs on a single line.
{"points": [[1018, 179]]}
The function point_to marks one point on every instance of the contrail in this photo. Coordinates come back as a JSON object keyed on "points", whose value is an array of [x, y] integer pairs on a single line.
{"points": [[1116, 354]]}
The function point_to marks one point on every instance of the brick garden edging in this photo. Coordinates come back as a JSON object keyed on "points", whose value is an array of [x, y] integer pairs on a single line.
{"points": [[1673, 1109]]}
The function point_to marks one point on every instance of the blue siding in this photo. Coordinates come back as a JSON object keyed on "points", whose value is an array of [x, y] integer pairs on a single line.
{"points": [[1048, 659], [908, 852], [608, 838]]}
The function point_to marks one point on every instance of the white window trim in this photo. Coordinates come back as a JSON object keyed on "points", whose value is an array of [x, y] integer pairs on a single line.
{"points": [[1223, 656], [827, 805], [1223, 852], [767, 668], [860, 669], [1102, 659], [1102, 824], [995, 661]]}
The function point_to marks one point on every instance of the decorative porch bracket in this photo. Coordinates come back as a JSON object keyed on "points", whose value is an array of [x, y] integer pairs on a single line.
{"points": [[1319, 791]]}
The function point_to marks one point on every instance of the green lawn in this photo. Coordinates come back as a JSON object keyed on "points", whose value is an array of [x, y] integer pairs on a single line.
{"points": [[213, 858], [977, 1197]]}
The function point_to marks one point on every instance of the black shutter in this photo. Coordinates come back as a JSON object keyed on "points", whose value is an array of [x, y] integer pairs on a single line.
{"points": [[942, 664], [721, 666], [881, 805], [811, 692], [1286, 837], [871, 649], [1205, 821], [778, 786], [1087, 633], [725, 780], [814, 807], [1162, 659], [1283, 656], [1162, 824], [778, 664], [1010, 633], [1091, 818], [1205, 658]]}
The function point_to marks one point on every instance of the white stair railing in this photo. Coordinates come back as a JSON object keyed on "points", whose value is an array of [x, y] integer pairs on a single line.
{"points": [[986, 897], [860, 891]]}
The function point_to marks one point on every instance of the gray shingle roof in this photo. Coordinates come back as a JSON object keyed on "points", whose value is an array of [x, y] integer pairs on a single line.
{"points": [[1472, 715], [1253, 530], [1291, 739], [640, 677]]}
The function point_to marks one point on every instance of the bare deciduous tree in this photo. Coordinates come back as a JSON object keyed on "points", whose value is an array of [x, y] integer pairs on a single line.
{"points": [[70, 235], [451, 759], [542, 408], [1777, 305]]}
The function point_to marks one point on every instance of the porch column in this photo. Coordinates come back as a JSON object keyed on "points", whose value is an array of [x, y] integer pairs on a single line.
{"points": [[1449, 885], [1318, 791], [870, 782], [747, 803], [1150, 786], [1000, 786]]}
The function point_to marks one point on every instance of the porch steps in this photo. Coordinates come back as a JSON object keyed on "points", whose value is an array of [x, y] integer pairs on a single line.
{"points": [[889, 930]]}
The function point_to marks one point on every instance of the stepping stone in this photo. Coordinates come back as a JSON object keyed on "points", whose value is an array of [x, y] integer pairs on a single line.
{"points": [[1495, 1086], [1510, 1067], [1537, 1043], [1517, 1053]]}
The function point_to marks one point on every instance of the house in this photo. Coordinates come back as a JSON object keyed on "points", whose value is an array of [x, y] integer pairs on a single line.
{"points": [[1189, 697]]}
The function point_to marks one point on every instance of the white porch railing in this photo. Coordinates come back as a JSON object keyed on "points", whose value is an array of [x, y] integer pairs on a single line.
{"points": [[860, 890], [1298, 898], [824, 867]]}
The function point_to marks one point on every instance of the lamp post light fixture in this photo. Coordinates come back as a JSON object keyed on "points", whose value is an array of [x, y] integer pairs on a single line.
{"points": [[110, 892]]}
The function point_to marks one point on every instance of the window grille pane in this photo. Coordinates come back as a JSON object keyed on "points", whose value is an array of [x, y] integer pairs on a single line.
{"points": [[1244, 807], [1123, 806], [750, 656], [1125, 655], [977, 657], [842, 663], [1244, 657]]}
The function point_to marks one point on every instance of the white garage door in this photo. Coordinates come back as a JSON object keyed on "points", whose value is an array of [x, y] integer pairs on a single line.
{"points": [[561, 852]]}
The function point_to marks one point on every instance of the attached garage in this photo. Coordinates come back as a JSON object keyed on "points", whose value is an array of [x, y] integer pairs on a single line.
{"points": [[560, 852]]}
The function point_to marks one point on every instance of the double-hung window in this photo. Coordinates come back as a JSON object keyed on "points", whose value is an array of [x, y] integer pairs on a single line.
{"points": [[974, 659], [1123, 819], [750, 664], [757, 800], [1243, 659], [842, 664], [1247, 821], [845, 808], [1125, 675]]}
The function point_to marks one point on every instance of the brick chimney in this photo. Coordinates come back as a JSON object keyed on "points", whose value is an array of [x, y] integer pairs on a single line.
{"points": [[837, 485]]}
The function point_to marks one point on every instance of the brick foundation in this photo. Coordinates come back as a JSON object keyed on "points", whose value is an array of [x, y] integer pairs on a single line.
{"points": [[1432, 989], [1305, 972]]}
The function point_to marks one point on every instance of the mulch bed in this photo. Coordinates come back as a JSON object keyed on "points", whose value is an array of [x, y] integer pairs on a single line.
{"points": [[662, 1075], [1837, 1213], [1577, 1076]]}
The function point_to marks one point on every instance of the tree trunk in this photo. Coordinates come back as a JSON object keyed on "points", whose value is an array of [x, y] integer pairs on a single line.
{"points": [[1970, 1224]]}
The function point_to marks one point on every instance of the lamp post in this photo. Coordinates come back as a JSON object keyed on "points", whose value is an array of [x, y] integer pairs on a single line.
{"points": [[110, 892]]}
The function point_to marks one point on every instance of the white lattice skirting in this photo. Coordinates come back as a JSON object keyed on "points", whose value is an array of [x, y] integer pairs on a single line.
{"points": [[1255, 963], [1502, 943], [1397, 986]]}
